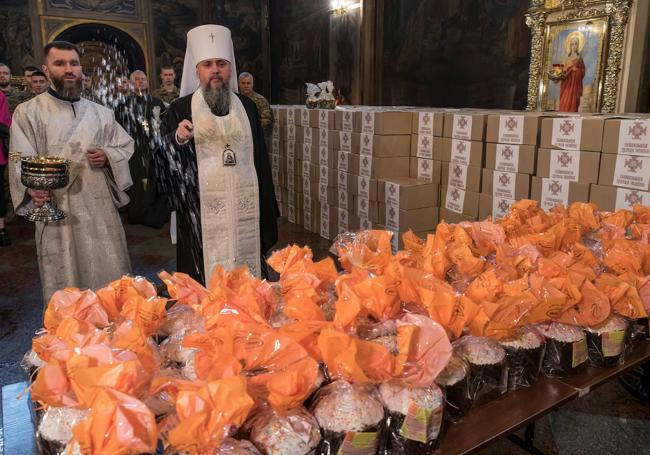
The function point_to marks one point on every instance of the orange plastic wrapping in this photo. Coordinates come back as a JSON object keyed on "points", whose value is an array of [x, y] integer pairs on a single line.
{"points": [[123, 291], [119, 424], [368, 250], [77, 304], [183, 288]]}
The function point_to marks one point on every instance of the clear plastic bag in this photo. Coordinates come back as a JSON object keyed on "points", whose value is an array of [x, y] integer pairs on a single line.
{"points": [[414, 419], [55, 429], [232, 446], [566, 349], [292, 432], [351, 418], [30, 363], [525, 354], [454, 380], [488, 366], [606, 343]]}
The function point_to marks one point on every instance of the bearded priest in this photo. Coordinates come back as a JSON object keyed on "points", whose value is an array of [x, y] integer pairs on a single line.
{"points": [[214, 167], [87, 249]]}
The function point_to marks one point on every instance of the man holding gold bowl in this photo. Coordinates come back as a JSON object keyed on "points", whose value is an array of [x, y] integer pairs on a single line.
{"points": [[86, 247]]}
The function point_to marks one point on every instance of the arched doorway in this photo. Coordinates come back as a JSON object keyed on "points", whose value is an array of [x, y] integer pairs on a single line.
{"points": [[104, 44]]}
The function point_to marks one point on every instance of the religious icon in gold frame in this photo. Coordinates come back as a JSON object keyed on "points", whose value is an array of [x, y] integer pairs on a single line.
{"points": [[573, 68]]}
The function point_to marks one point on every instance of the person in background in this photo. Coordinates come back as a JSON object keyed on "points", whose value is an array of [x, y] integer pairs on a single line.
{"points": [[167, 92], [39, 83], [27, 74], [5, 123], [14, 95], [246, 88]]}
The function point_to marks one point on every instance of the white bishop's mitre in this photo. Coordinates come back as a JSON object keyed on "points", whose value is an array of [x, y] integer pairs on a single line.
{"points": [[207, 42]]}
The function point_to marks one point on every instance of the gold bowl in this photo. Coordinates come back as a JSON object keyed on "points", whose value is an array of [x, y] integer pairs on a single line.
{"points": [[44, 173]]}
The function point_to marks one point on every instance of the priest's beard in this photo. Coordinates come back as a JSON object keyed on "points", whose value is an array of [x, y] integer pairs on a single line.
{"points": [[218, 98], [70, 90]]}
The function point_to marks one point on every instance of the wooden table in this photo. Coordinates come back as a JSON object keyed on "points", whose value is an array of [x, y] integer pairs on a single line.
{"points": [[521, 408]]}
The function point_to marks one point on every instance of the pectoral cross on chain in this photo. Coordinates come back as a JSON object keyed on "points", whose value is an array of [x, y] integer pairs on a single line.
{"points": [[211, 35], [145, 126]]}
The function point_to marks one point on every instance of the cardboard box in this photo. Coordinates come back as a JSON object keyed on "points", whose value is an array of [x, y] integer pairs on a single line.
{"points": [[347, 221], [387, 146], [573, 133], [345, 201], [398, 220], [345, 120], [466, 125], [493, 207], [467, 178], [511, 158], [329, 221], [349, 142], [408, 193], [427, 170], [627, 136], [454, 218], [459, 201], [573, 165], [328, 175], [322, 118], [611, 198], [328, 138], [384, 122], [424, 146], [376, 168], [364, 186], [345, 181], [347, 162], [625, 171], [506, 184], [305, 134], [302, 116], [327, 157], [468, 153], [513, 128], [428, 122], [550, 192]]}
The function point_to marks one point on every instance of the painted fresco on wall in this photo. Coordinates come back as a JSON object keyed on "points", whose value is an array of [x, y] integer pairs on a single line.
{"points": [[244, 19], [16, 45], [455, 53], [172, 20], [124, 7], [299, 48]]}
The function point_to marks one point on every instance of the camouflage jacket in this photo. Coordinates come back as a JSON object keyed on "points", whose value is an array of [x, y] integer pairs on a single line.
{"points": [[16, 96], [166, 96], [264, 111]]}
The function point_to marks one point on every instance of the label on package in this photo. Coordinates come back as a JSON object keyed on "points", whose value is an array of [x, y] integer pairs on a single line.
{"points": [[325, 221], [306, 153], [342, 181], [365, 224], [291, 213], [291, 149], [500, 207], [503, 184], [457, 176], [565, 165], [323, 156], [304, 117], [632, 172], [323, 119], [394, 242], [291, 181], [345, 139], [567, 133], [416, 423], [507, 158], [425, 169], [324, 176], [366, 146], [554, 192], [462, 128], [634, 137], [291, 116], [306, 169], [579, 352], [368, 122], [392, 217], [343, 164], [276, 130], [511, 129], [275, 146], [306, 203], [275, 175], [627, 198], [306, 185], [306, 218], [425, 146], [455, 199], [365, 166], [323, 138], [343, 200], [363, 207], [612, 343], [291, 132], [307, 134], [425, 123], [322, 193], [363, 187], [291, 165], [391, 191], [348, 122], [275, 161], [358, 443], [460, 151], [343, 221]]}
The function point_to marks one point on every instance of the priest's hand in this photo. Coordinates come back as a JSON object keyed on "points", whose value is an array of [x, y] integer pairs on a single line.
{"points": [[40, 197], [184, 132], [97, 158]]}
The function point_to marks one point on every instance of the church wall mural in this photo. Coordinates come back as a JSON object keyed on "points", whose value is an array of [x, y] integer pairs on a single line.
{"points": [[451, 53], [16, 44]]}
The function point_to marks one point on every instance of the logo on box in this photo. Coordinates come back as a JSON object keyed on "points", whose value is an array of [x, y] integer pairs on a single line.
{"points": [[507, 153], [564, 159], [633, 164], [462, 122], [554, 187], [637, 130], [511, 123], [504, 179], [567, 127]]}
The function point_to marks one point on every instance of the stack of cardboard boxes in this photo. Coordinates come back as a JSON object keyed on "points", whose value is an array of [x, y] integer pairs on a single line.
{"points": [[510, 157], [624, 176]]}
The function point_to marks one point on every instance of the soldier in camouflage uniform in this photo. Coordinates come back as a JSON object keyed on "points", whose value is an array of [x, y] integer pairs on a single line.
{"points": [[263, 107], [14, 95], [167, 92]]}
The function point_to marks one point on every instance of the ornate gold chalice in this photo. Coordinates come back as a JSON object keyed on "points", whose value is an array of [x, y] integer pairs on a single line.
{"points": [[44, 173]]}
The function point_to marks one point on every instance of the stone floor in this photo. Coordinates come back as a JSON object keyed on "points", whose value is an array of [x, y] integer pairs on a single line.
{"points": [[606, 421]]}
